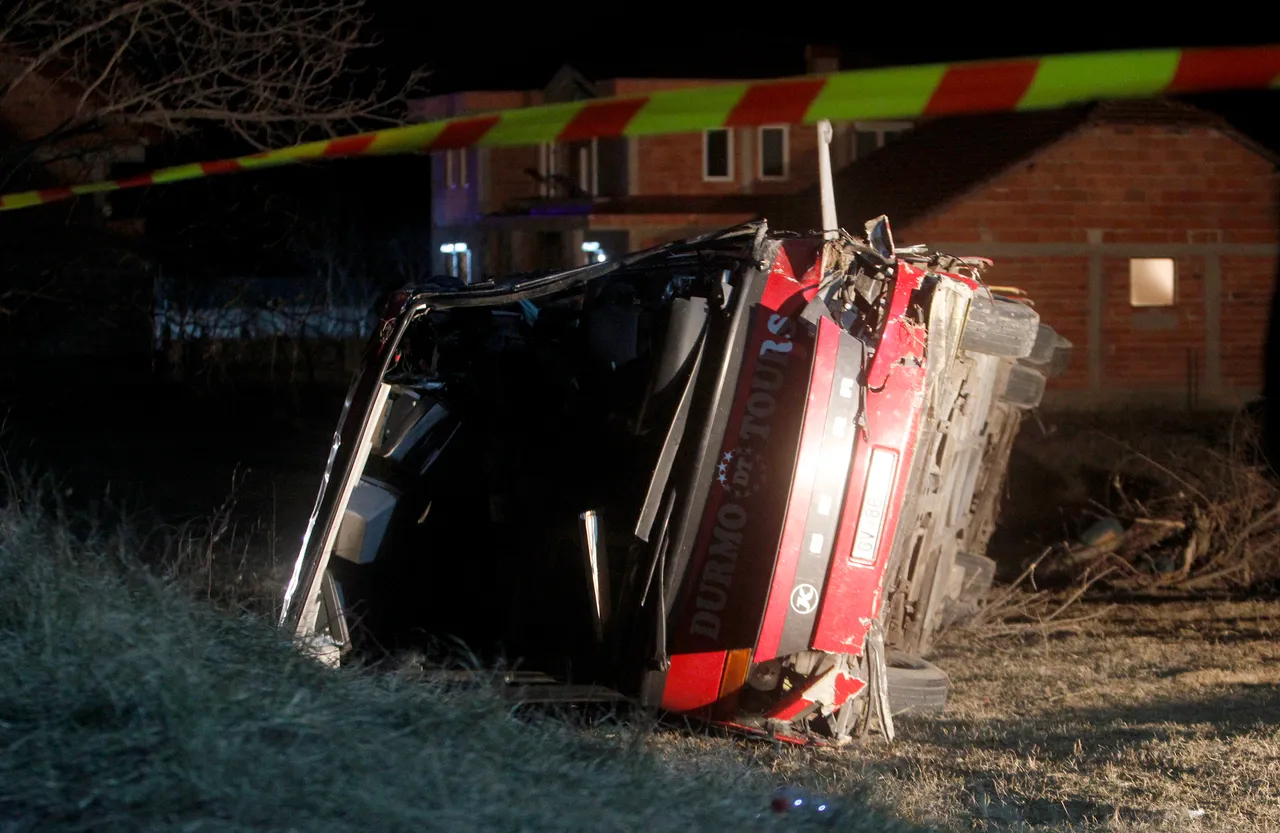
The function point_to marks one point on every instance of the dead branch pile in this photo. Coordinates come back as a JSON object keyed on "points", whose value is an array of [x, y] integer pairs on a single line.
{"points": [[1022, 608], [1183, 516]]}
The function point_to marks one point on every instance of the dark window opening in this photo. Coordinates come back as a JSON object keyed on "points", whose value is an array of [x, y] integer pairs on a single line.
{"points": [[718, 156], [773, 152]]}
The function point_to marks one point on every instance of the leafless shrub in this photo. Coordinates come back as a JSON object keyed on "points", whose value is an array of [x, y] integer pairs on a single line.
{"points": [[227, 557]]}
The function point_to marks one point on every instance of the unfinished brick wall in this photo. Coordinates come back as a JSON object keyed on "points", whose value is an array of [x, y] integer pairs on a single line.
{"points": [[1120, 191], [509, 178], [1156, 346], [1139, 184], [1248, 286], [1059, 286], [674, 164], [39, 105], [647, 230], [451, 206]]}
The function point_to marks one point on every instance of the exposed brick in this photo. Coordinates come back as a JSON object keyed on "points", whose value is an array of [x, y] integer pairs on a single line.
{"points": [[1150, 186], [1147, 185]]}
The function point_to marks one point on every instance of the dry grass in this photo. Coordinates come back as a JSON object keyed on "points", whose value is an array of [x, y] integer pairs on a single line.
{"points": [[1163, 718], [1210, 518], [128, 705]]}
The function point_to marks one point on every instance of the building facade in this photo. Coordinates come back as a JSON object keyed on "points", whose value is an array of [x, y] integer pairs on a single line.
{"points": [[502, 210], [38, 107], [1146, 232]]}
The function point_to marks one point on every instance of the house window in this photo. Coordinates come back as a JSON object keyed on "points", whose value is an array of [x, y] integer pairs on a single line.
{"points": [[865, 143], [589, 168], [1153, 282], [773, 152], [717, 154], [547, 153], [868, 137], [457, 260], [889, 134], [455, 168]]}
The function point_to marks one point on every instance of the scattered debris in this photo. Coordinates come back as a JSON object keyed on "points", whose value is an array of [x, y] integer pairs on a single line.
{"points": [[793, 801], [1182, 517], [1211, 521]]}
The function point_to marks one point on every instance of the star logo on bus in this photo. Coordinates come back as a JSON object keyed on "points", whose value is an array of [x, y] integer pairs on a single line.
{"points": [[722, 470]]}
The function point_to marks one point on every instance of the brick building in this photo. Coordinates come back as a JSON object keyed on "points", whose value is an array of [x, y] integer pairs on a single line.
{"points": [[501, 210], [36, 151], [1147, 232], [74, 266]]}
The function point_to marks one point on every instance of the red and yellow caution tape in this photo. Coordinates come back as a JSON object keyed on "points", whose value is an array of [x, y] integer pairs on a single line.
{"points": [[894, 93]]}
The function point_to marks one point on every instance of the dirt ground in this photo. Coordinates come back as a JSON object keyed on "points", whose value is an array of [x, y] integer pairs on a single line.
{"points": [[1163, 717]]}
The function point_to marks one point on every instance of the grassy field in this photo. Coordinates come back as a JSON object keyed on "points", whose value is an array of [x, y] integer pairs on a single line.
{"points": [[126, 704]]}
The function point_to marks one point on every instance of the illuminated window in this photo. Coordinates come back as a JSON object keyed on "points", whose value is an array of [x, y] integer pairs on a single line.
{"points": [[1152, 282], [773, 152], [717, 154], [592, 253], [457, 260]]}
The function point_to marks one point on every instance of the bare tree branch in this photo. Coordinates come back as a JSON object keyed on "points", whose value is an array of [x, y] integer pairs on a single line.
{"points": [[50, 52], [269, 71], [111, 65]]}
